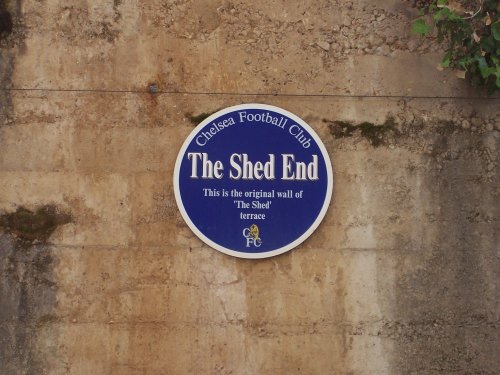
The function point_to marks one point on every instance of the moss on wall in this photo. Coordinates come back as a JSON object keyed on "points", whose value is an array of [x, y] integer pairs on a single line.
{"points": [[375, 134], [33, 226]]}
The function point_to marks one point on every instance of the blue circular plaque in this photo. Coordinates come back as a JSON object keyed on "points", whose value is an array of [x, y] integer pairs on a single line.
{"points": [[253, 181]]}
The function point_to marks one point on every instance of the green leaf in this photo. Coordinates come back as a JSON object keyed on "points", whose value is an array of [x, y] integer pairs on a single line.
{"points": [[472, 45], [420, 27], [495, 30], [446, 60], [438, 15], [454, 17], [485, 70], [481, 61], [443, 13], [488, 44]]}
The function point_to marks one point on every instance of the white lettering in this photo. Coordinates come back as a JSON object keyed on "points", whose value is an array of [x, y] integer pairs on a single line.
{"points": [[209, 168], [242, 168], [298, 133], [300, 171]]}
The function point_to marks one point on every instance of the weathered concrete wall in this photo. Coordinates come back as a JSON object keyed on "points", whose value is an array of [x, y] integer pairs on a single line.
{"points": [[105, 278]]}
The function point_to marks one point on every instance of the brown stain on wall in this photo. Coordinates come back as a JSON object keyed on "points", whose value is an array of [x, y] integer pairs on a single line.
{"points": [[6, 69], [6, 63], [341, 350], [28, 286], [12, 35], [446, 299], [5, 20], [155, 304], [280, 320]]}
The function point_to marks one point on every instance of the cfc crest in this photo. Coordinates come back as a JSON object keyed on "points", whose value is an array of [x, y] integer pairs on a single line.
{"points": [[252, 236]]}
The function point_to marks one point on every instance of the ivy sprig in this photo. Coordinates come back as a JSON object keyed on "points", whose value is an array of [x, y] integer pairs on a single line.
{"points": [[471, 37]]}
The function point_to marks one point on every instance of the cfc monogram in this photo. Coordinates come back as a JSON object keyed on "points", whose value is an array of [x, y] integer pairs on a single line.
{"points": [[252, 236]]}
